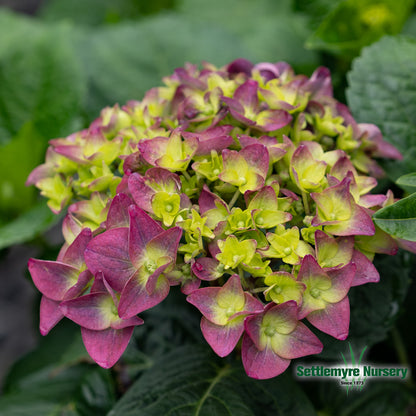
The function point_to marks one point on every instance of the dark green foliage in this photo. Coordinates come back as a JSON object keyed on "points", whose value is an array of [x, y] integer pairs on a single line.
{"points": [[382, 90]]}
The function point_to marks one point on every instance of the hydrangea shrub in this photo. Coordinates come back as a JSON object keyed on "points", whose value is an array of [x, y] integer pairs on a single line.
{"points": [[247, 185]]}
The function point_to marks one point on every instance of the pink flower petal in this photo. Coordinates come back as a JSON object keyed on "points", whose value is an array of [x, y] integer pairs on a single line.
{"points": [[132, 163], [74, 254], [141, 193], [222, 339], [270, 71], [153, 149], [366, 272], [108, 253], [214, 138], [252, 304], [270, 120], [190, 285], [309, 268], [240, 65], [333, 320], [341, 280], [167, 242], [205, 300], [320, 84], [299, 343], [360, 223], [118, 214], [407, 245], [80, 286], [92, 311], [257, 157], [135, 298], [208, 200], [153, 279], [370, 200], [206, 268], [252, 325], [106, 347], [142, 229], [52, 278], [261, 364], [124, 323], [247, 95], [50, 314]]}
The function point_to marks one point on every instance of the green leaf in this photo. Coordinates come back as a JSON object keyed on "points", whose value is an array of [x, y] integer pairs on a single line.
{"points": [[97, 12], [137, 55], [55, 379], [61, 348], [316, 10], [192, 381], [382, 90], [97, 393], [269, 29], [357, 23], [407, 181], [21, 406], [172, 323], [16, 164], [27, 226], [42, 81], [399, 219], [410, 26], [47, 380], [379, 397]]}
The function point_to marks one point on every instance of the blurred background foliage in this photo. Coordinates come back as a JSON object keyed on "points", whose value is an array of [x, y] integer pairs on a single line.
{"points": [[62, 61], [59, 67]]}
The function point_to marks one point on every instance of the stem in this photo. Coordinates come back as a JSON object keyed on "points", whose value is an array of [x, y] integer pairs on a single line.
{"points": [[399, 347], [186, 174], [305, 203], [234, 198], [242, 278], [258, 289], [401, 351]]}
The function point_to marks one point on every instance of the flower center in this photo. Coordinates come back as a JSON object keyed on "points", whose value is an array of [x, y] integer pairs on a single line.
{"points": [[150, 266], [230, 312], [269, 331], [114, 310], [315, 293], [168, 207], [287, 251], [240, 224], [277, 290], [242, 180], [186, 270]]}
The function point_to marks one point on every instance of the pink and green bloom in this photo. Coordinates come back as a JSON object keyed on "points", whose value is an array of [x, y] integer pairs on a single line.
{"points": [[286, 245], [248, 186], [224, 310], [246, 169], [273, 338], [325, 303], [339, 213], [66, 278], [104, 333], [133, 261]]}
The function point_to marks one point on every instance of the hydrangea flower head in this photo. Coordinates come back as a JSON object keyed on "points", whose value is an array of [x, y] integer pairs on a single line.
{"points": [[247, 186]]}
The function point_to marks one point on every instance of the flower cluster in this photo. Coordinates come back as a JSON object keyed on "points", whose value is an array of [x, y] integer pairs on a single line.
{"points": [[246, 185]]}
